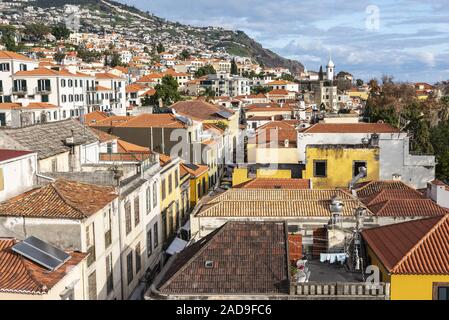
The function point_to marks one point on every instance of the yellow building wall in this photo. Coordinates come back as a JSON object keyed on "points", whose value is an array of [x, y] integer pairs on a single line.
{"points": [[239, 175], [174, 196], [194, 182], [340, 165], [414, 287]]}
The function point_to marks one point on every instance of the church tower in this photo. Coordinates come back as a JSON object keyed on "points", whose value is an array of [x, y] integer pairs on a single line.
{"points": [[330, 68]]}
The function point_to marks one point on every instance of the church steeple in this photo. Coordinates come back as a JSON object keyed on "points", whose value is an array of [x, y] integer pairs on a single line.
{"points": [[330, 69]]}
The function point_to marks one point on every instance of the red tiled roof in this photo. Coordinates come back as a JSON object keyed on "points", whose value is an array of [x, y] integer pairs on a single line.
{"points": [[199, 110], [246, 258], [7, 154], [414, 247], [407, 208], [94, 116], [148, 120], [103, 136], [351, 128], [8, 55], [22, 276], [392, 194], [62, 199], [369, 188], [195, 169], [263, 183]]}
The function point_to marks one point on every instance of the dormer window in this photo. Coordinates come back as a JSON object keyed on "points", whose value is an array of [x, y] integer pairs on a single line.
{"points": [[209, 264]]}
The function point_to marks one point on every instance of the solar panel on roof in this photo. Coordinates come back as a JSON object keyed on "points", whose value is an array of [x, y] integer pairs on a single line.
{"points": [[41, 252], [224, 114]]}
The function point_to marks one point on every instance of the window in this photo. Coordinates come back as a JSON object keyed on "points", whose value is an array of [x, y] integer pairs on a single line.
{"points": [[156, 235], [440, 291], [45, 98], [70, 97], [64, 98], [136, 211], [149, 242], [92, 284], [4, 67], [320, 168], [356, 167], [109, 274], [163, 189], [109, 147], [176, 179], [70, 83], [90, 243], [138, 258], [20, 86], [148, 198], [128, 225], [54, 165], [107, 228], [129, 266], [154, 194], [170, 184], [43, 85], [63, 83]]}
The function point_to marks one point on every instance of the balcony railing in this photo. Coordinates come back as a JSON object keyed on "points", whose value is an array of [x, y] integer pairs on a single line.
{"points": [[23, 90], [342, 290], [91, 89], [45, 90], [95, 102]]}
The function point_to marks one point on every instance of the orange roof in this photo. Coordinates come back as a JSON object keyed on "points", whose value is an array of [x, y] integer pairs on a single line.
{"points": [[110, 121], [103, 136], [50, 73], [278, 92], [135, 87], [275, 183], [279, 83], [149, 92], [392, 194], [94, 116], [369, 188], [148, 120], [23, 276], [200, 110], [62, 199], [150, 77], [107, 76], [121, 69], [126, 147], [407, 208], [351, 128], [8, 55], [164, 159], [100, 88], [414, 247], [195, 170]]}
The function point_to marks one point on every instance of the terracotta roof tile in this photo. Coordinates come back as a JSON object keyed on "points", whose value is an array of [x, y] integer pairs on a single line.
{"points": [[22, 276], [199, 110], [351, 128], [61, 199], [277, 203], [8, 55], [246, 258], [414, 247], [407, 208], [147, 120], [369, 188], [392, 194], [6, 154]]}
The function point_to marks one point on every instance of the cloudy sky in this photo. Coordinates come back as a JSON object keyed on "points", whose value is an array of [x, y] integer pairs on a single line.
{"points": [[408, 39]]}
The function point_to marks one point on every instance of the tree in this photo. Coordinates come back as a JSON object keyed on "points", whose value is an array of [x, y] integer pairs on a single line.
{"points": [[160, 48], [208, 93], [439, 136], [287, 77], [234, 68], [222, 125], [8, 37], [419, 129], [359, 82], [167, 90], [204, 71], [60, 31], [184, 55], [59, 56], [37, 31], [260, 89]]}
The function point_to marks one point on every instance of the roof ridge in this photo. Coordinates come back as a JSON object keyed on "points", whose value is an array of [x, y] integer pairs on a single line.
{"points": [[418, 244], [64, 199]]}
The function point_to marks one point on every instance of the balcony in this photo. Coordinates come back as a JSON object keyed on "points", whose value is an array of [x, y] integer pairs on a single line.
{"points": [[95, 102], [43, 90], [91, 89], [19, 91]]}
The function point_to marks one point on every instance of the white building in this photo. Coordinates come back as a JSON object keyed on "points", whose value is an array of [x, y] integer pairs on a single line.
{"points": [[224, 84], [17, 172], [118, 87], [74, 217], [10, 63]]}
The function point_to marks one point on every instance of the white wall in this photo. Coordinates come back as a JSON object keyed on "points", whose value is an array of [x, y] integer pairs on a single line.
{"points": [[19, 175]]}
